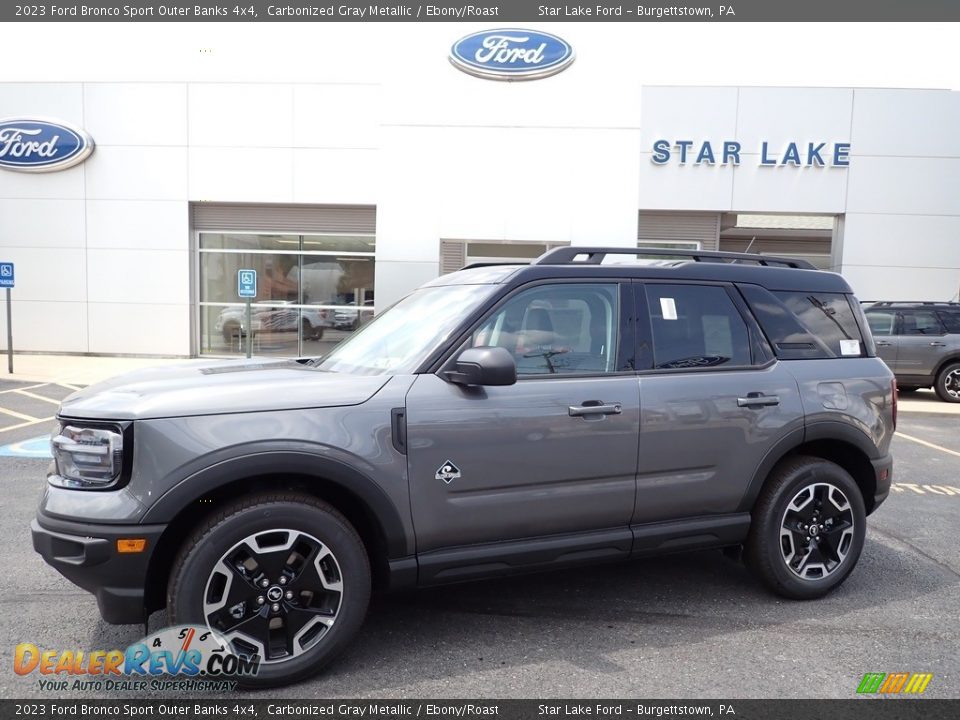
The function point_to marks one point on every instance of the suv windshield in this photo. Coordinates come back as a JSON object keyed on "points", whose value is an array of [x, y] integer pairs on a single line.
{"points": [[400, 339]]}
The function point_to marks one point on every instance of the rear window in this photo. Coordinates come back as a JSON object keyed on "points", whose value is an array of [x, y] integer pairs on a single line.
{"points": [[805, 325], [950, 320]]}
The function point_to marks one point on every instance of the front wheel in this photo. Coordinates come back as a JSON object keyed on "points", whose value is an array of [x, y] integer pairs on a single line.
{"points": [[283, 576], [948, 383], [807, 528]]}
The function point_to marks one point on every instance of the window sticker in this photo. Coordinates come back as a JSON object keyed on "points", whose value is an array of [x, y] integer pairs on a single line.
{"points": [[850, 347], [668, 308]]}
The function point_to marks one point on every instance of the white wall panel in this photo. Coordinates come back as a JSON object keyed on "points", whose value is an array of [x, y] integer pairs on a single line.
{"points": [[65, 184], [685, 113], [138, 276], [137, 173], [910, 186], [241, 174], [684, 187], [43, 326], [241, 115], [783, 115], [48, 274], [906, 122], [331, 176], [125, 328], [336, 116], [902, 241], [136, 113], [892, 283], [138, 224], [42, 223], [57, 101], [788, 189]]}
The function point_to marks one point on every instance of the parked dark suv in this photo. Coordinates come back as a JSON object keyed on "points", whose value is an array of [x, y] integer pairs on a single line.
{"points": [[920, 341], [499, 419]]}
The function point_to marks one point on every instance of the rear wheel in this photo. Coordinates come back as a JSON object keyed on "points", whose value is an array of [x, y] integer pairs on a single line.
{"points": [[283, 576], [807, 528], [948, 383]]}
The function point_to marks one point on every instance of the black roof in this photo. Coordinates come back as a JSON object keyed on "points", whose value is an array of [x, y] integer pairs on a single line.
{"points": [[773, 273]]}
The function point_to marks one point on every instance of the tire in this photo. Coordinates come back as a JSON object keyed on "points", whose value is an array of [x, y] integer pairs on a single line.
{"points": [[310, 332], [948, 383], [329, 580], [802, 482], [230, 332]]}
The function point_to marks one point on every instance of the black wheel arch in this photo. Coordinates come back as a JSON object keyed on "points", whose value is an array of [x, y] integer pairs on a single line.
{"points": [[837, 442], [365, 505]]}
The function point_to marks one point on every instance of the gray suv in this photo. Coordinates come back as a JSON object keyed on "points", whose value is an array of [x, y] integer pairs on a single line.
{"points": [[920, 341], [499, 419]]}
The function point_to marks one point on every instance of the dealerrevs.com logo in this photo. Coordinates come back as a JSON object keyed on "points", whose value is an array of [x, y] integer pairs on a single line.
{"points": [[894, 683], [195, 657]]}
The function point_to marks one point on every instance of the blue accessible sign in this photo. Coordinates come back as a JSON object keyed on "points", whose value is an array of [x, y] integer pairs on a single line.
{"points": [[6, 275], [246, 283]]}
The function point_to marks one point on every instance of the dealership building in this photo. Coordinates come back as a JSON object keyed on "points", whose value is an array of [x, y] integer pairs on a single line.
{"points": [[344, 196]]}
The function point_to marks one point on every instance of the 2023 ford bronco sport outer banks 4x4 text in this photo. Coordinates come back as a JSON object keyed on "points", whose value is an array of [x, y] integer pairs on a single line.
{"points": [[498, 419]]}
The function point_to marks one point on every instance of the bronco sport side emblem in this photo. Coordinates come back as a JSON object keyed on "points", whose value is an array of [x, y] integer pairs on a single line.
{"points": [[447, 472]]}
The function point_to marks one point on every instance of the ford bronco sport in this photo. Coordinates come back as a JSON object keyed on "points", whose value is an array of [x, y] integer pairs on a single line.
{"points": [[920, 341], [498, 419]]}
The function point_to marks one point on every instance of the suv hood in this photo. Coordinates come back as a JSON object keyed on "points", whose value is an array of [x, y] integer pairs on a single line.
{"points": [[216, 387]]}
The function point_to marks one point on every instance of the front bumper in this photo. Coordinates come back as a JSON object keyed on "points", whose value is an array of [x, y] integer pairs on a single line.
{"points": [[883, 472], [87, 556]]}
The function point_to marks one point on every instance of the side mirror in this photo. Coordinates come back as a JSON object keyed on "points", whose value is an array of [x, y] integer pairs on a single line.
{"points": [[484, 366]]}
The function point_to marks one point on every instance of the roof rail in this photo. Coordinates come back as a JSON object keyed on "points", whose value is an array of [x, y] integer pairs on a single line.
{"points": [[595, 255], [888, 303], [494, 263]]}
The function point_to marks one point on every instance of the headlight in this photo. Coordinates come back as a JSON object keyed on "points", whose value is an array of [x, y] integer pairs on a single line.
{"points": [[86, 457]]}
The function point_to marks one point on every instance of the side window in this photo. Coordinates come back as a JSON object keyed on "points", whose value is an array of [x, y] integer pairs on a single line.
{"points": [[829, 317], [951, 321], [881, 322], [696, 326], [561, 329], [920, 322]]}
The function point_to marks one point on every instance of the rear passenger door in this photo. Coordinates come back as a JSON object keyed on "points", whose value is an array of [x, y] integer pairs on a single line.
{"points": [[713, 400], [921, 343]]}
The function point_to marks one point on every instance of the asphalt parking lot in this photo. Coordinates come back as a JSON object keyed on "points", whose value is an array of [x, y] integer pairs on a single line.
{"points": [[693, 625]]}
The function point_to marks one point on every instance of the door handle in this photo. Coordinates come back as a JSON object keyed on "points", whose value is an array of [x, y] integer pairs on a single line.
{"points": [[936, 343], [884, 344], [756, 399], [595, 407]]}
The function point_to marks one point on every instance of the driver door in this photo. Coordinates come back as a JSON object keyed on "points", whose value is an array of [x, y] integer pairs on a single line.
{"points": [[554, 454]]}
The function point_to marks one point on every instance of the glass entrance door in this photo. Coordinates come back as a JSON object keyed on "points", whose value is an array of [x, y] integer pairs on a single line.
{"points": [[312, 292]]}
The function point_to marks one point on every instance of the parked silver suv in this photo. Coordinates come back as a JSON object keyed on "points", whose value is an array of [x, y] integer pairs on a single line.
{"points": [[920, 341], [499, 419]]}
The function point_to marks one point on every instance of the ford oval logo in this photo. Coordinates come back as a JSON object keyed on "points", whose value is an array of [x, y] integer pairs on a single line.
{"points": [[38, 145], [511, 54]]}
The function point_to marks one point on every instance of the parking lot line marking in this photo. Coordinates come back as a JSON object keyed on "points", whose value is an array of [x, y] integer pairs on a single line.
{"points": [[26, 424], [67, 385], [37, 397], [28, 387], [928, 444], [15, 414]]}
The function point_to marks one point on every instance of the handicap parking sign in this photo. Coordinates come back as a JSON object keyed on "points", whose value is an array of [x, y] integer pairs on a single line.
{"points": [[247, 283], [6, 275]]}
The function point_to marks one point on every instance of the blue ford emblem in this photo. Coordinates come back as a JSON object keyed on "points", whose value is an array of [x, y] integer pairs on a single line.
{"points": [[511, 54], [36, 145]]}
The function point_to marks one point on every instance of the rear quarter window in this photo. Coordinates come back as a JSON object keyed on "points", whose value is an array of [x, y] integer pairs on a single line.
{"points": [[806, 325]]}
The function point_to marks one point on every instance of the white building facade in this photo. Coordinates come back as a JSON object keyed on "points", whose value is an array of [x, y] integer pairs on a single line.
{"points": [[344, 196]]}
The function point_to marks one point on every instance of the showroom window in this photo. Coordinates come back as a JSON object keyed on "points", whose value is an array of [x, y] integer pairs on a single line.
{"points": [[312, 291]]}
